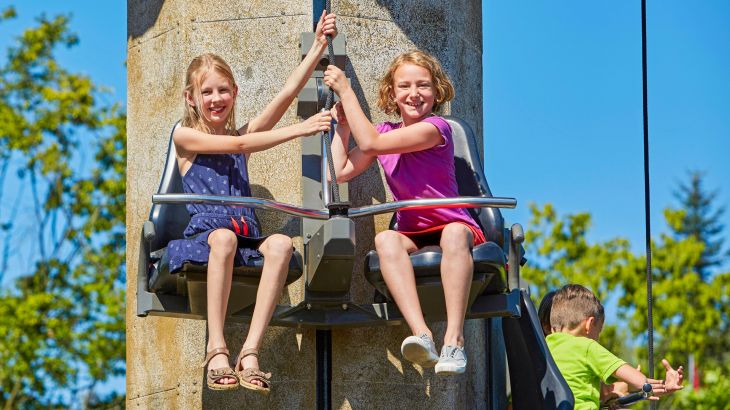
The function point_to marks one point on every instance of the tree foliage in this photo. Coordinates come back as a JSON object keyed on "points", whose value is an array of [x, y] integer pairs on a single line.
{"points": [[690, 314], [63, 319]]}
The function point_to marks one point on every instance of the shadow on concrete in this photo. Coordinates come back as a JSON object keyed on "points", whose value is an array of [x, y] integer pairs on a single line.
{"points": [[272, 221], [142, 16], [433, 41]]}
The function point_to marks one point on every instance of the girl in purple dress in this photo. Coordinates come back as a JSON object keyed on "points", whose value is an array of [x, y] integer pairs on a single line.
{"points": [[212, 154], [417, 157]]}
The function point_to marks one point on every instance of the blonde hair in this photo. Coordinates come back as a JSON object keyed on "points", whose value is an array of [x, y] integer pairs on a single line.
{"points": [[441, 83], [573, 304], [201, 66]]}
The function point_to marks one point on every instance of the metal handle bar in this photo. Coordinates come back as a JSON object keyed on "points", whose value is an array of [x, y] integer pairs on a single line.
{"points": [[410, 204], [430, 203], [240, 202]]}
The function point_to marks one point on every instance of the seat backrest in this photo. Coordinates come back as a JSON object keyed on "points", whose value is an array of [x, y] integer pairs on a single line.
{"points": [[471, 180], [170, 220]]}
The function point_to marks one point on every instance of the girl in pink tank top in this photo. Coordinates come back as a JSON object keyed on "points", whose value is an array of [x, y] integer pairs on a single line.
{"points": [[417, 157]]}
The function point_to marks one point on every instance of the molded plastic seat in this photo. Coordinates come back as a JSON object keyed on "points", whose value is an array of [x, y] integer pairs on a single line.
{"points": [[168, 223], [489, 258]]}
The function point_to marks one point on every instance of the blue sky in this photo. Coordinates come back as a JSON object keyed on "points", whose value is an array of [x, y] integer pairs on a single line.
{"points": [[562, 99], [563, 106]]}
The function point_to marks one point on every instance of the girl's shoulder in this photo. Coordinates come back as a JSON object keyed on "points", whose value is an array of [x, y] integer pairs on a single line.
{"points": [[438, 121], [443, 127]]}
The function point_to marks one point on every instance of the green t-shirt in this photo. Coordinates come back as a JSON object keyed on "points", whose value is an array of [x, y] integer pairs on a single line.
{"points": [[584, 363]]}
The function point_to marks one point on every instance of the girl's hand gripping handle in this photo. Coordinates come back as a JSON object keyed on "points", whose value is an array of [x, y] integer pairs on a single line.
{"points": [[335, 79], [326, 26], [317, 123], [338, 113]]}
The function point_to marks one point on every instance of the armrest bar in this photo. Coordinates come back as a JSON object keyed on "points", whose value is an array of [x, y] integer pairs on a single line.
{"points": [[429, 203], [410, 204], [240, 201]]}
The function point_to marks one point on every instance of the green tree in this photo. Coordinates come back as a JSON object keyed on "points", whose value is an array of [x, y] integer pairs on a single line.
{"points": [[698, 218], [690, 315], [62, 320], [559, 253]]}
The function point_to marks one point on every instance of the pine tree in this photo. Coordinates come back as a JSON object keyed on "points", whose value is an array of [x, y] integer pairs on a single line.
{"points": [[699, 218]]}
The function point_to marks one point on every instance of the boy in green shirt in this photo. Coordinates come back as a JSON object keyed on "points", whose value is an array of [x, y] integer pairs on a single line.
{"points": [[576, 320]]}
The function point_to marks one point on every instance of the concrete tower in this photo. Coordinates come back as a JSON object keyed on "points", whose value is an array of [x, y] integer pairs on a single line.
{"points": [[259, 39]]}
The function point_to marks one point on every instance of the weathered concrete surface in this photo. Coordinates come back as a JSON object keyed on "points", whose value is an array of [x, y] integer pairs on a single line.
{"points": [[259, 39]]}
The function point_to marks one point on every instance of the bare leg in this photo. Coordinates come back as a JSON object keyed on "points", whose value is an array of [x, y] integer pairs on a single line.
{"points": [[277, 250], [393, 249], [223, 245], [457, 270]]}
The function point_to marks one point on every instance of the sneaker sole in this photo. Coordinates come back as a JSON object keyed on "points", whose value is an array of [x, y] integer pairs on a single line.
{"points": [[417, 354], [449, 369]]}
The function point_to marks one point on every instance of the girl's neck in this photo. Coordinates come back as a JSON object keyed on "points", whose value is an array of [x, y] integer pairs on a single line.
{"points": [[218, 130], [410, 121]]}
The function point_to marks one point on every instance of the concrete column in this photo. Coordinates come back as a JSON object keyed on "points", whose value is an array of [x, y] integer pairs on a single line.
{"points": [[259, 39]]}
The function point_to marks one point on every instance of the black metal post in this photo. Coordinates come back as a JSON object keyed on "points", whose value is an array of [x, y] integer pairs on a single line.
{"points": [[324, 369]]}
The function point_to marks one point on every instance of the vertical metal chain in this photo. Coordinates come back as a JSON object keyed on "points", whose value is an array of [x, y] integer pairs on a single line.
{"points": [[327, 106], [647, 201]]}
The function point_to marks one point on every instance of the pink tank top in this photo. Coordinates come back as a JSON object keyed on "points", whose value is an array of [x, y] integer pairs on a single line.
{"points": [[424, 174]]}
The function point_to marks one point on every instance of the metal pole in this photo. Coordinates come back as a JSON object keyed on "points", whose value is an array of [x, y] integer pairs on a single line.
{"points": [[324, 369]]}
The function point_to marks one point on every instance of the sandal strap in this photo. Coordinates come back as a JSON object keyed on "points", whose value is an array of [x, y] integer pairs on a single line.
{"points": [[220, 373], [249, 352], [215, 352], [255, 374]]}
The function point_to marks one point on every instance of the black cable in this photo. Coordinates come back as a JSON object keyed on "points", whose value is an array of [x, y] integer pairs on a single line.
{"points": [[327, 106], [647, 201]]}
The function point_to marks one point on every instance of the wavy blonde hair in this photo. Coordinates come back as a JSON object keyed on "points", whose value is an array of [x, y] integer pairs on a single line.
{"points": [[201, 66], [441, 83]]}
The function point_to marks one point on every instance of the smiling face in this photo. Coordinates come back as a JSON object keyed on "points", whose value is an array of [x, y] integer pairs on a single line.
{"points": [[413, 92], [216, 100]]}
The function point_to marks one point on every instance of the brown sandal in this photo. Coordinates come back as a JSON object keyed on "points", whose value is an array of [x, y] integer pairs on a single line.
{"points": [[214, 376], [246, 376]]}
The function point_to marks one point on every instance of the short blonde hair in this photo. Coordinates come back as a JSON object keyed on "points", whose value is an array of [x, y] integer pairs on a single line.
{"points": [[441, 83], [573, 304], [201, 66]]}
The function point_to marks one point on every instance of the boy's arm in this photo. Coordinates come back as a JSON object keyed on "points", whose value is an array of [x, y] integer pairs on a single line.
{"points": [[636, 379], [281, 102], [347, 164]]}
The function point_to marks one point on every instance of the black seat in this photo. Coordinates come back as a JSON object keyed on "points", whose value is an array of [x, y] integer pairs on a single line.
{"points": [[489, 258], [167, 222]]}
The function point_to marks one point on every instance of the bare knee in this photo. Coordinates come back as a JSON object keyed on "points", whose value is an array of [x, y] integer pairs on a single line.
{"points": [[456, 237], [388, 243], [278, 246], [223, 241]]}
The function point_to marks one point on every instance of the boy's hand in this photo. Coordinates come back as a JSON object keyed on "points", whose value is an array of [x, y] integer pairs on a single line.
{"points": [[325, 27], [335, 79], [317, 123], [673, 379], [338, 113], [671, 383]]}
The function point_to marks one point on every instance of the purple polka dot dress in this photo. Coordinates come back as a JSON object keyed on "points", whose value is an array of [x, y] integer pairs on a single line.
{"points": [[216, 174]]}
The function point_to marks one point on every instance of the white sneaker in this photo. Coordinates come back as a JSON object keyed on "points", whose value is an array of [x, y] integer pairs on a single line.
{"points": [[452, 361], [420, 350]]}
